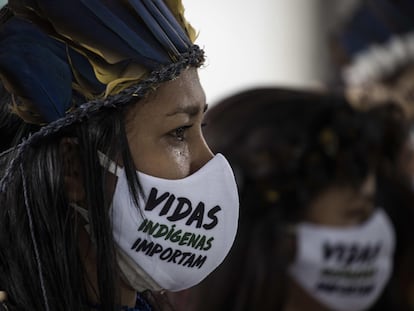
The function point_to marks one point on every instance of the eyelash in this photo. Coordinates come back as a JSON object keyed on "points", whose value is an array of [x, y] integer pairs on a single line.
{"points": [[179, 132]]}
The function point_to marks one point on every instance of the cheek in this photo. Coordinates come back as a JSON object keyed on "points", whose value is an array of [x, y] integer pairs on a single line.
{"points": [[156, 154], [163, 161]]}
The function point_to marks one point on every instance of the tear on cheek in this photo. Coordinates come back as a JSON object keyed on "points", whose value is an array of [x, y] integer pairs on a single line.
{"points": [[182, 164], [174, 165]]}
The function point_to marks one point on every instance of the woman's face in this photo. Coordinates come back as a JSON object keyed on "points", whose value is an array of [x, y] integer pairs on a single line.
{"points": [[342, 205], [164, 129]]}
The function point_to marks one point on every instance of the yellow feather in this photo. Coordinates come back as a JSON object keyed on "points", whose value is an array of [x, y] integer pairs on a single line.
{"points": [[110, 68]]}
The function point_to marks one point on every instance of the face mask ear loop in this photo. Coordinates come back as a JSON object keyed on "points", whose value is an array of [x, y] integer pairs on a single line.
{"points": [[110, 165], [36, 250], [82, 211]]}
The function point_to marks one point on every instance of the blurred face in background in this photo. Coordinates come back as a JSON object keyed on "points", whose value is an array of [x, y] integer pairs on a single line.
{"points": [[343, 205], [398, 89], [340, 242]]}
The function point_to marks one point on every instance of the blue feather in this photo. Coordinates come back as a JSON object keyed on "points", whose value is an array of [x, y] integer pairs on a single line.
{"points": [[32, 4], [43, 78], [129, 37], [113, 26], [38, 68], [376, 22], [134, 23], [153, 26], [46, 88], [394, 14], [98, 27], [175, 26]]}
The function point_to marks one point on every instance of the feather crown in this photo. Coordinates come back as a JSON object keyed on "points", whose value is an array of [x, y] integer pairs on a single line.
{"points": [[55, 56]]}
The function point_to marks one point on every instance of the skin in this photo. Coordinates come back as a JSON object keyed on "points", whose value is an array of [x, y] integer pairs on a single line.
{"points": [[165, 139], [338, 206], [164, 132]]}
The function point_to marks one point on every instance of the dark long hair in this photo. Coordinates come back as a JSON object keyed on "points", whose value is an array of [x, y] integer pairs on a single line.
{"points": [[12, 128], [286, 146], [39, 250]]}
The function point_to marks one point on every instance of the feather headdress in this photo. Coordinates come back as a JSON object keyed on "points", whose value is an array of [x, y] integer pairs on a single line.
{"points": [[64, 60], [54, 55]]}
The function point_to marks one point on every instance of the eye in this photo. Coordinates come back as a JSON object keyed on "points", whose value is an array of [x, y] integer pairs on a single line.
{"points": [[180, 132]]}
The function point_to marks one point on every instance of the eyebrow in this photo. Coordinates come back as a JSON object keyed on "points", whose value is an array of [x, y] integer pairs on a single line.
{"points": [[190, 110]]}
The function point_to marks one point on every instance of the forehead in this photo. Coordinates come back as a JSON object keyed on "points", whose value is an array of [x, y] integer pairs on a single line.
{"points": [[342, 204], [183, 93]]}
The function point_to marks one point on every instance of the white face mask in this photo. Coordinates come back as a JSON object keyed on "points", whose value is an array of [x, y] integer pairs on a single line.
{"points": [[183, 229], [345, 269]]}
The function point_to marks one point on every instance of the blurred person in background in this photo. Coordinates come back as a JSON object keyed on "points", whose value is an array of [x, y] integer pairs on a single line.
{"points": [[373, 50], [311, 236]]}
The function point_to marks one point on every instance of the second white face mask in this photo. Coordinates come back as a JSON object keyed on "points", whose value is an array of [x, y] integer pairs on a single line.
{"points": [[345, 269]]}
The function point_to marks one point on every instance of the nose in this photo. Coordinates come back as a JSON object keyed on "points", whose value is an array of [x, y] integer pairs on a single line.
{"points": [[200, 155]]}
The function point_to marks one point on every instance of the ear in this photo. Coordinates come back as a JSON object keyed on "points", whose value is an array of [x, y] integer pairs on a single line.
{"points": [[72, 171]]}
